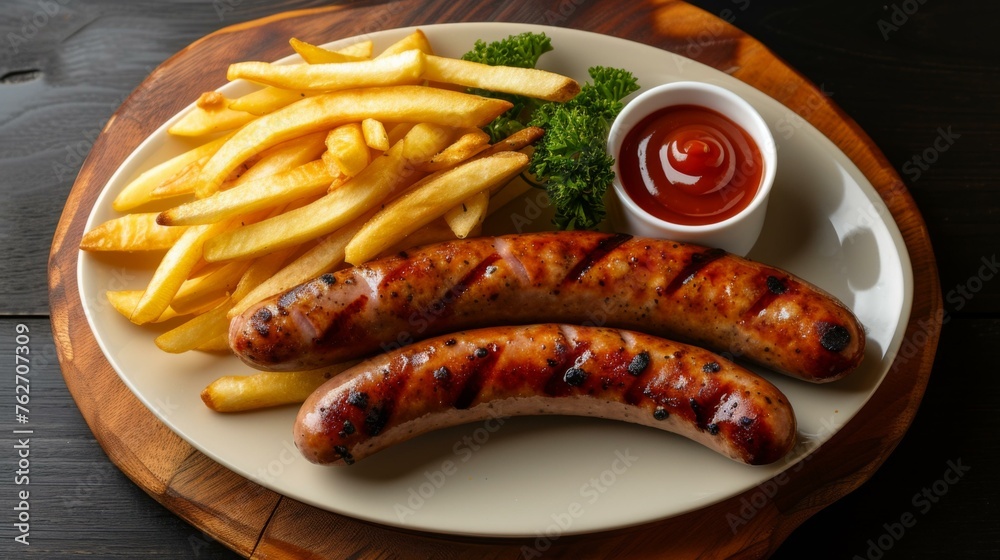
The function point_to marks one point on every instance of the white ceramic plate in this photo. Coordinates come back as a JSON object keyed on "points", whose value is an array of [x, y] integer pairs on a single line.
{"points": [[531, 476]]}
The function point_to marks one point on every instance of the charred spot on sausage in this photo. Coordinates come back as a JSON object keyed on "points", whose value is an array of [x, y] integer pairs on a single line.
{"points": [[376, 419], [639, 363], [833, 337], [712, 428], [711, 367], [660, 413], [776, 286], [441, 373], [344, 454], [347, 430], [575, 376], [358, 399], [328, 279], [482, 352]]}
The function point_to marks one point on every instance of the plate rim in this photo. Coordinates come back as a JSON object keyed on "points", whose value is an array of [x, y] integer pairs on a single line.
{"points": [[866, 185]]}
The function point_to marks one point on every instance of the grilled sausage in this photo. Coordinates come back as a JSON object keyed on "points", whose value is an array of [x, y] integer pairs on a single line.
{"points": [[683, 292], [545, 369]]}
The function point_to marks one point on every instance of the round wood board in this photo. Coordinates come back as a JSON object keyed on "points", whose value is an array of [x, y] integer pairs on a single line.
{"points": [[260, 523]]}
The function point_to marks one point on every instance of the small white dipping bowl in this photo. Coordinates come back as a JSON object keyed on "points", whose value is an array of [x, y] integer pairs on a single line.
{"points": [[736, 234]]}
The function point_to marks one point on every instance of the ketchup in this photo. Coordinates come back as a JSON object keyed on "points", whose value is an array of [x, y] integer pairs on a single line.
{"points": [[690, 165]]}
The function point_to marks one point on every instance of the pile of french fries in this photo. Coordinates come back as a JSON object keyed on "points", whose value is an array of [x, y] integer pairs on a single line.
{"points": [[336, 160]]}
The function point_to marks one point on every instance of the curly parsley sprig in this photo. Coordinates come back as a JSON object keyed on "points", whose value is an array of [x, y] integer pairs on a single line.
{"points": [[570, 161]]}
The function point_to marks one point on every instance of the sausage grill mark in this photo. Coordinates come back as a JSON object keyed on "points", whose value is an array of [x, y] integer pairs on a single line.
{"points": [[594, 256], [698, 261], [481, 370]]}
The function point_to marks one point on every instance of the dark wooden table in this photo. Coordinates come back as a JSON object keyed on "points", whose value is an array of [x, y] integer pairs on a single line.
{"points": [[921, 77]]}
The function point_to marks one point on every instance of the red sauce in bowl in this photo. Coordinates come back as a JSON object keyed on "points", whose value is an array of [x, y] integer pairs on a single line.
{"points": [[690, 165]]}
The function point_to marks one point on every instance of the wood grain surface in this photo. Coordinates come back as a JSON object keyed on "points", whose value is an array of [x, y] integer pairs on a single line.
{"points": [[961, 225]]}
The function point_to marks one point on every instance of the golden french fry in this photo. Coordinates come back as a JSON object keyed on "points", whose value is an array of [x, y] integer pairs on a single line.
{"points": [[516, 141], [313, 54], [416, 40], [346, 150], [124, 302], [238, 393], [431, 199], [402, 68], [311, 179], [217, 344], [210, 114], [140, 190], [375, 135], [435, 232], [173, 270], [513, 189], [266, 100], [468, 145], [278, 159], [323, 112], [398, 131], [200, 329], [464, 218], [204, 293], [284, 157], [361, 49], [183, 183], [212, 324], [384, 175], [324, 257], [529, 82], [131, 232]]}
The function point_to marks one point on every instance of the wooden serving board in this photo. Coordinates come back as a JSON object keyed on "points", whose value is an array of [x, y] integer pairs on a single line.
{"points": [[259, 523]]}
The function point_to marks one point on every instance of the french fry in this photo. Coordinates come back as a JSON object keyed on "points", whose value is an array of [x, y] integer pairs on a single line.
{"points": [[468, 145], [398, 131], [398, 69], [377, 181], [173, 270], [313, 54], [437, 231], [266, 100], [323, 112], [211, 114], [197, 331], [514, 189], [361, 49], [464, 218], [346, 151], [204, 293], [431, 199], [277, 159], [131, 232], [238, 393], [416, 40], [184, 182], [375, 136], [212, 324], [124, 302], [516, 141], [217, 344], [324, 257], [310, 179], [140, 190], [529, 82]]}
